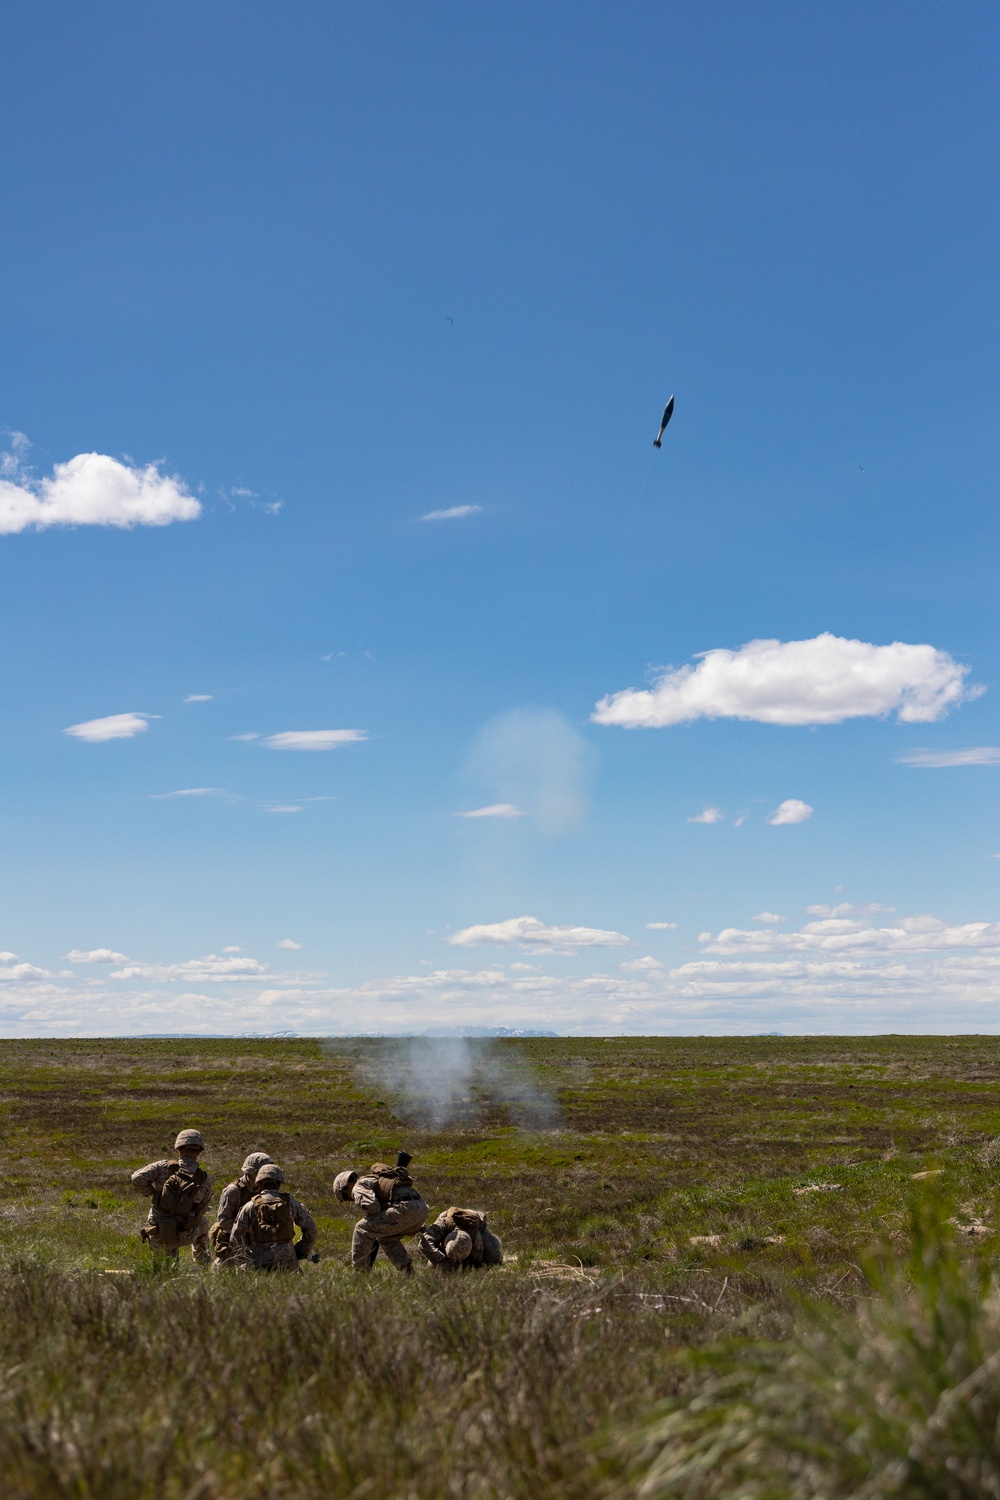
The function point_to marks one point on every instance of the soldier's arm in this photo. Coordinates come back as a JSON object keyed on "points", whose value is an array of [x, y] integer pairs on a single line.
{"points": [[238, 1237], [304, 1219], [147, 1179], [366, 1198], [430, 1243], [229, 1204], [204, 1195]]}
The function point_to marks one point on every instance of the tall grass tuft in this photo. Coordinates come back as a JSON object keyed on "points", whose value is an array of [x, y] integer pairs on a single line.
{"points": [[183, 1385], [900, 1397]]}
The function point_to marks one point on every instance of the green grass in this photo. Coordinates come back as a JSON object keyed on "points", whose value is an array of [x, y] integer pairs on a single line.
{"points": [[509, 1384]]}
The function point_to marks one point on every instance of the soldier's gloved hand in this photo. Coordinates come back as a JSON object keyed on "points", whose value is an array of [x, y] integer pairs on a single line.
{"points": [[300, 1251]]}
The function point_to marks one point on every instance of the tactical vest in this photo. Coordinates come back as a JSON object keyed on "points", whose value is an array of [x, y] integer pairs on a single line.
{"points": [[272, 1219], [178, 1194]]}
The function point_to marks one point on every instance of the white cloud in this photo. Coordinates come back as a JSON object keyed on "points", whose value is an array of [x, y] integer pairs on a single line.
{"points": [[114, 727], [709, 815], [252, 736], [790, 811], [91, 490], [11, 970], [196, 970], [234, 948], [977, 755], [311, 739], [96, 956], [770, 917], [534, 937], [191, 791], [495, 810], [288, 943], [453, 513], [820, 681], [856, 935], [198, 698], [835, 977], [285, 808], [662, 926], [533, 758], [645, 965]]}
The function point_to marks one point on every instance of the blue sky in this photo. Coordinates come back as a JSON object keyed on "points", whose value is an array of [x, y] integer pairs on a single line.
{"points": [[303, 276]]}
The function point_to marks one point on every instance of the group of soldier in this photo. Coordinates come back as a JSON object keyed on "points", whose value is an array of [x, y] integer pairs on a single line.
{"points": [[256, 1220]]}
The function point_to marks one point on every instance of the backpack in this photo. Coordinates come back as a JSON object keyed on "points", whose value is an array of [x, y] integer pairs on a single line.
{"points": [[177, 1195], [272, 1219], [388, 1181]]}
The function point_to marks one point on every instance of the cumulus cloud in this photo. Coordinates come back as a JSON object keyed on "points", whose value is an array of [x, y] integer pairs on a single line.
{"points": [[96, 956], [532, 935], [836, 976], [90, 490], [791, 811], [11, 970], [857, 935], [310, 739], [453, 513], [495, 810], [662, 926], [709, 815], [976, 755], [212, 969], [820, 681], [288, 943], [647, 965], [770, 917], [533, 758], [113, 727]]}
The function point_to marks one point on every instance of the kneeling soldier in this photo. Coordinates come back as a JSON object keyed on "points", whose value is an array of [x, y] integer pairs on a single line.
{"points": [[231, 1200], [461, 1240], [180, 1191], [264, 1228], [392, 1208]]}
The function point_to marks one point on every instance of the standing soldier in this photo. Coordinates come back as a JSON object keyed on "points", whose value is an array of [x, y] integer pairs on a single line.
{"points": [[461, 1240], [264, 1229], [231, 1200], [180, 1191], [392, 1208]]}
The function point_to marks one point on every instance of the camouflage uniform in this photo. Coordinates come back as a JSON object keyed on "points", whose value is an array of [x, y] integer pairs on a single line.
{"points": [[461, 1240], [166, 1231], [392, 1209], [231, 1200], [272, 1249]]}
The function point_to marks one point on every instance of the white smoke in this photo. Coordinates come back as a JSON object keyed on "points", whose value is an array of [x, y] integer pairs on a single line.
{"points": [[533, 760], [458, 1081]]}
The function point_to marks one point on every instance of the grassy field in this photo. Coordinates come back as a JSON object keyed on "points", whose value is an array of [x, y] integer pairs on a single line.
{"points": [[655, 1196]]}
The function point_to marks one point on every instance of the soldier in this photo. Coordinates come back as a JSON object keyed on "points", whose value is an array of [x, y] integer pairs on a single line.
{"points": [[180, 1191], [264, 1229], [461, 1240], [392, 1208], [231, 1200]]}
